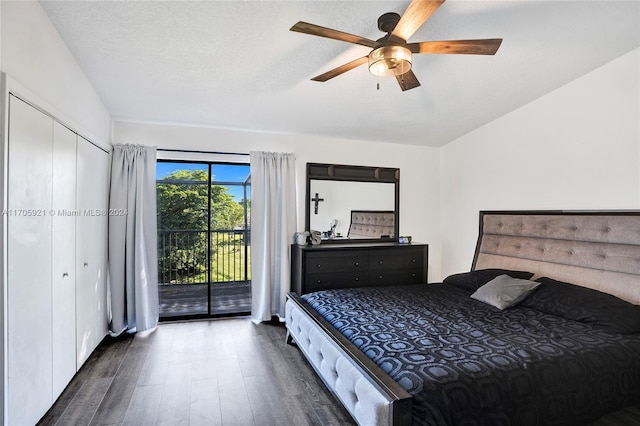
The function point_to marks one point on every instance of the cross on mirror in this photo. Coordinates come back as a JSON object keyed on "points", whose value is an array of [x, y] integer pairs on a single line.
{"points": [[316, 200]]}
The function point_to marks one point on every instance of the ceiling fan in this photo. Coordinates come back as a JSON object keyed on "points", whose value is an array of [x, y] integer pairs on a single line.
{"points": [[391, 54]]}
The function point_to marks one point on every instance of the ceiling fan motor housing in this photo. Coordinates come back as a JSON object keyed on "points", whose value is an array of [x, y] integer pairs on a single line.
{"points": [[387, 22]]}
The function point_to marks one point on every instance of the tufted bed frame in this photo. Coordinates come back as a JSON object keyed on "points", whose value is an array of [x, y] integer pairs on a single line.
{"points": [[372, 224], [599, 250], [596, 250]]}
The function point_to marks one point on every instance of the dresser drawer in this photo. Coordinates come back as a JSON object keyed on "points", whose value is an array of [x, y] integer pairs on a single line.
{"points": [[396, 276], [386, 259], [336, 262], [326, 281]]}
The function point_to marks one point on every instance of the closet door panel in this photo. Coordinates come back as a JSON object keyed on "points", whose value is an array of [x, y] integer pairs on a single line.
{"points": [[64, 257], [29, 310], [91, 235]]}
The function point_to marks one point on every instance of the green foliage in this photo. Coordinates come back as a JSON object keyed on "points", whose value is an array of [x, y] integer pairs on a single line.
{"points": [[226, 213], [183, 207]]}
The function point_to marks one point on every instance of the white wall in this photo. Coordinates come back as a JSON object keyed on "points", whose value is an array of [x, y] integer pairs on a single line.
{"points": [[33, 54], [419, 170], [577, 147]]}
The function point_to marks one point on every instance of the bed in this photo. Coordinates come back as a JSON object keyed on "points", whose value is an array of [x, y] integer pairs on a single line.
{"points": [[567, 353]]}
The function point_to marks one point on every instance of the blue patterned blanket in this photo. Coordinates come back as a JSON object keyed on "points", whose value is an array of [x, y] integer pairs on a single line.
{"points": [[468, 363]]}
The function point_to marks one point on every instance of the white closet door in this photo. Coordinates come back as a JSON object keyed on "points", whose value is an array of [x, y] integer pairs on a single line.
{"points": [[64, 257], [91, 237], [29, 341]]}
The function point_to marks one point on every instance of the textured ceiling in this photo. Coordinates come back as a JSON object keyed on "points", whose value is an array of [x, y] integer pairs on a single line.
{"points": [[235, 64]]}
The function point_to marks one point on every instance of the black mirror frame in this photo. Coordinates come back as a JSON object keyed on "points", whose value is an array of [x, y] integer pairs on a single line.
{"points": [[346, 173]]}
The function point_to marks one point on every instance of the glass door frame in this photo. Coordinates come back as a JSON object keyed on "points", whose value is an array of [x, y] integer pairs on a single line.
{"points": [[209, 230]]}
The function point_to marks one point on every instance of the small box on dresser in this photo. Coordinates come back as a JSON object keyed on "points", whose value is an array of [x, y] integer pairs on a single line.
{"points": [[329, 266]]}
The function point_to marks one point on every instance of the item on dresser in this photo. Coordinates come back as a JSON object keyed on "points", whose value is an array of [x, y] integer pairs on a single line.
{"points": [[332, 228], [315, 238], [300, 238], [356, 265], [405, 240]]}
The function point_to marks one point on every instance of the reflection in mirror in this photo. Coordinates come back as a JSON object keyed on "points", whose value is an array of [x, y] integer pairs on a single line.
{"points": [[336, 199], [359, 203]]}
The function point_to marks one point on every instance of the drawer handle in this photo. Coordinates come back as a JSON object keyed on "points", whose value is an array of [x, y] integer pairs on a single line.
{"points": [[379, 262], [380, 277], [357, 278], [413, 260], [413, 275], [318, 265], [357, 263], [319, 282]]}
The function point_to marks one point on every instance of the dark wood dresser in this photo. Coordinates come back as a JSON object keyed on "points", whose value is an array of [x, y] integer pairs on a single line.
{"points": [[329, 266]]}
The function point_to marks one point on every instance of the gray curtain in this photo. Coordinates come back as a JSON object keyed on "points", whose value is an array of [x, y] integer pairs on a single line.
{"points": [[273, 223], [133, 249]]}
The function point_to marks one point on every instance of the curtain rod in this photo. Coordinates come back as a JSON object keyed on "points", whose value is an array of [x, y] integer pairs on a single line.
{"points": [[202, 152]]}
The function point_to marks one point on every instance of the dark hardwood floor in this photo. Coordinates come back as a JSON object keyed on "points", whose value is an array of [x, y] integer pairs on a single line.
{"points": [[216, 372]]}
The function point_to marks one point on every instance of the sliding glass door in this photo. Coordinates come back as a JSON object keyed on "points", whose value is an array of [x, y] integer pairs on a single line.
{"points": [[204, 263]]}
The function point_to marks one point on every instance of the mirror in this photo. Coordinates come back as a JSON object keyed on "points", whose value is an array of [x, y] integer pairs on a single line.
{"points": [[339, 197]]}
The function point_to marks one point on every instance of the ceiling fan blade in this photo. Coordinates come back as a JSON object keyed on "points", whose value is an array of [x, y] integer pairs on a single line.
{"points": [[317, 30], [415, 15], [341, 69], [470, 47], [407, 81]]}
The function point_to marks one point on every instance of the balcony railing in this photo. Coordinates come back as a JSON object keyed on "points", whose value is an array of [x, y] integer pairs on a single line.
{"points": [[200, 257]]}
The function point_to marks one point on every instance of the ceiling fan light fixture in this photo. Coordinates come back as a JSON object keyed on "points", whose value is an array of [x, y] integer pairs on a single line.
{"points": [[389, 61]]}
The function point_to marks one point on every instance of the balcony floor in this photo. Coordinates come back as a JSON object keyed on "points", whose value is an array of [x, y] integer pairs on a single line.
{"points": [[178, 300]]}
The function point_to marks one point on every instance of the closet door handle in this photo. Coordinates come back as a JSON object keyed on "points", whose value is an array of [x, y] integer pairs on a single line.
{"points": [[65, 274], [86, 263]]}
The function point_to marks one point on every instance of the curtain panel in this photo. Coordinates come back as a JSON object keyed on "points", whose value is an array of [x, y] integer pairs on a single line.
{"points": [[133, 248], [273, 223]]}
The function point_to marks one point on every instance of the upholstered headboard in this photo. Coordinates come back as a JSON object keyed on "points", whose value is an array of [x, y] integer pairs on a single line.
{"points": [[371, 224], [599, 250]]}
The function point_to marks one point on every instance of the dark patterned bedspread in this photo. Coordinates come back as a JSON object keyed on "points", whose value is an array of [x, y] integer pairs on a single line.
{"points": [[467, 363]]}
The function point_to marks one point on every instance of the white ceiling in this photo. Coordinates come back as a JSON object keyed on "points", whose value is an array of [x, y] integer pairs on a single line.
{"points": [[235, 64]]}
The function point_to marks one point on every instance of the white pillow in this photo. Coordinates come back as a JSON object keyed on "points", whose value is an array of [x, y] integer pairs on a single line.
{"points": [[504, 291]]}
